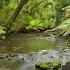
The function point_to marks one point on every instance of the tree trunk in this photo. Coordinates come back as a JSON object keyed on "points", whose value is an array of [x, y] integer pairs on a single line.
{"points": [[15, 14]]}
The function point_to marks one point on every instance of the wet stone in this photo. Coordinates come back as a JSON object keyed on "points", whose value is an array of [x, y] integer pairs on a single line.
{"points": [[2, 56], [66, 66]]}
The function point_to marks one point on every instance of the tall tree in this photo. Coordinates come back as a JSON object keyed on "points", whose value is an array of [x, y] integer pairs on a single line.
{"points": [[15, 14]]}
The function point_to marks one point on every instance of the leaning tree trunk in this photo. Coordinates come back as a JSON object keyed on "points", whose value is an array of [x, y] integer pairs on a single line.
{"points": [[15, 14]]}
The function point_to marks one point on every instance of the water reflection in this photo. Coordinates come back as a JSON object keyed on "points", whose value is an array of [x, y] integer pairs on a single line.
{"points": [[22, 43]]}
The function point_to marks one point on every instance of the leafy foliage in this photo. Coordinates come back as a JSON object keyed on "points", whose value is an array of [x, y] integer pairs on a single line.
{"points": [[38, 13], [6, 9]]}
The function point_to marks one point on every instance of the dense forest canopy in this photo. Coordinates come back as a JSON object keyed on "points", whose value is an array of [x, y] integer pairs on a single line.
{"points": [[37, 14]]}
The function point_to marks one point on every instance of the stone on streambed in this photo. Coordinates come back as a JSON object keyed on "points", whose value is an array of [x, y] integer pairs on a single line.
{"points": [[55, 65], [66, 66]]}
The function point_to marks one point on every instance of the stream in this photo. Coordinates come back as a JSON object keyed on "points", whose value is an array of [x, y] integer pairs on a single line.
{"points": [[22, 51]]}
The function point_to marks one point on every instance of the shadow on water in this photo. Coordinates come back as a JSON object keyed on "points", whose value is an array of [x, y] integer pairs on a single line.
{"points": [[21, 44]]}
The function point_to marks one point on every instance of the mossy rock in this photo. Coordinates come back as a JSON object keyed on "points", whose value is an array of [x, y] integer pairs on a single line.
{"points": [[55, 65], [42, 65], [32, 29], [2, 32]]}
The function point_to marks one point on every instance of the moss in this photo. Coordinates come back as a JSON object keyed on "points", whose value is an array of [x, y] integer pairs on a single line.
{"points": [[55, 65]]}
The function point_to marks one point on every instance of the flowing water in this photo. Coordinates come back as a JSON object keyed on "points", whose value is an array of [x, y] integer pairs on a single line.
{"points": [[22, 51]]}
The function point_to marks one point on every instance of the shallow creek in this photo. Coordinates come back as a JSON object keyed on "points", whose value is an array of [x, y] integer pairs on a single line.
{"points": [[22, 51]]}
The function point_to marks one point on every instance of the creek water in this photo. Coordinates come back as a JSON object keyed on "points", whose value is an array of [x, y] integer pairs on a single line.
{"points": [[22, 51]]}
